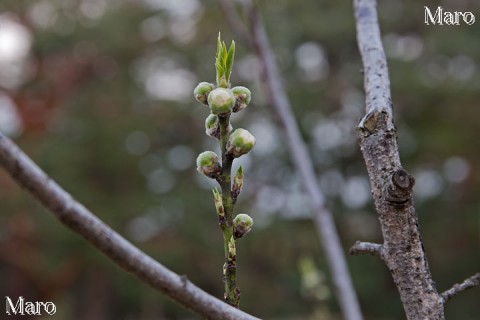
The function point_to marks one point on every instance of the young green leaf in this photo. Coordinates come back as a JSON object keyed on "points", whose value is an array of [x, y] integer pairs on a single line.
{"points": [[229, 61], [219, 65], [224, 62]]}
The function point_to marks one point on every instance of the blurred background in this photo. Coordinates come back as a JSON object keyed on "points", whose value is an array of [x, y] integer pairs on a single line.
{"points": [[99, 94]]}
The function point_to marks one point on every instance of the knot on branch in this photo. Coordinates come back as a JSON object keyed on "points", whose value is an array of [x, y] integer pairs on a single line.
{"points": [[399, 188]]}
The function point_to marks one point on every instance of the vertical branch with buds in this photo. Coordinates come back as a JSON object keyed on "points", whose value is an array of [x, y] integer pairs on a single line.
{"points": [[223, 101]]}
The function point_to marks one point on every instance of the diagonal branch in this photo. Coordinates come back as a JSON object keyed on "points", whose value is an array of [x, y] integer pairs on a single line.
{"points": [[80, 220], [469, 283], [323, 219]]}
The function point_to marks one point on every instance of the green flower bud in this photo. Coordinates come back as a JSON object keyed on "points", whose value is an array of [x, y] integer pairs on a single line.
{"points": [[201, 92], [242, 98], [212, 127], [208, 164], [242, 224], [221, 101], [240, 142]]}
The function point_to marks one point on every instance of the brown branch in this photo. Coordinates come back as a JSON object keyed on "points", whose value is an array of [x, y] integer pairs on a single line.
{"points": [[373, 249], [325, 226], [403, 251], [80, 220], [469, 283]]}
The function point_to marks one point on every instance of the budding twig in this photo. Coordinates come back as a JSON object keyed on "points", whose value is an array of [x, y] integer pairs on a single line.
{"points": [[222, 101]]}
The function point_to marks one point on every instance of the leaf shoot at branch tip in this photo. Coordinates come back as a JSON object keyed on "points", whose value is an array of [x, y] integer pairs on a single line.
{"points": [[224, 62]]}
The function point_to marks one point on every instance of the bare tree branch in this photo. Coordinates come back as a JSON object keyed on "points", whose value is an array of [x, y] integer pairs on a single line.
{"points": [[373, 249], [403, 250], [471, 282], [80, 220], [325, 226], [378, 97]]}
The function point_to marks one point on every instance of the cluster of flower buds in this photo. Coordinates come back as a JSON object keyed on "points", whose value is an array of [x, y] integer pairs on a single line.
{"points": [[223, 100]]}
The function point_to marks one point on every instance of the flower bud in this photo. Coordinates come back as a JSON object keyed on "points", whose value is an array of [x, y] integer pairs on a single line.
{"points": [[242, 224], [212, 127], [221, 101], [237, 183], [218, 203], [240, 142], [208, 164], [202, 91], [242, 98]]}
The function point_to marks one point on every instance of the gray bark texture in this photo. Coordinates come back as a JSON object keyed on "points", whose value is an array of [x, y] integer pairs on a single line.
{"points": [[402, 249]]}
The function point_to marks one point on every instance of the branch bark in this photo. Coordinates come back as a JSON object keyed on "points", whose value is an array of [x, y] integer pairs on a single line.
{"points": [[402, 249], [232, 291], [80, 220], [280, 103], [373, 249], [469, 283]]}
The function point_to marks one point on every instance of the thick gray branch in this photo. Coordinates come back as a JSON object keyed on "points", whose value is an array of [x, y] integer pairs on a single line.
{"points": [[471, 282], [402, 248], [325, 226], [80, 220], [378, 97], [373, 249]]}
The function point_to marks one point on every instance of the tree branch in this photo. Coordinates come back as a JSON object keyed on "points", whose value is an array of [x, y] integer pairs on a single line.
{"points": [[378, 98], [403, 251], [325, 226], [373, 249], [80, 220], [471, 282]]}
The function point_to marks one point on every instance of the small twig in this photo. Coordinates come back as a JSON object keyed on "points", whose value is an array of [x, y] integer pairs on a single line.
{"points": [[232, 292], [80, 220], [373, 249], [471, 282]]}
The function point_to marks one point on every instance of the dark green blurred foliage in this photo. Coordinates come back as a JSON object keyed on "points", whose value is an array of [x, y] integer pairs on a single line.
{"points": [[106, 104]]}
